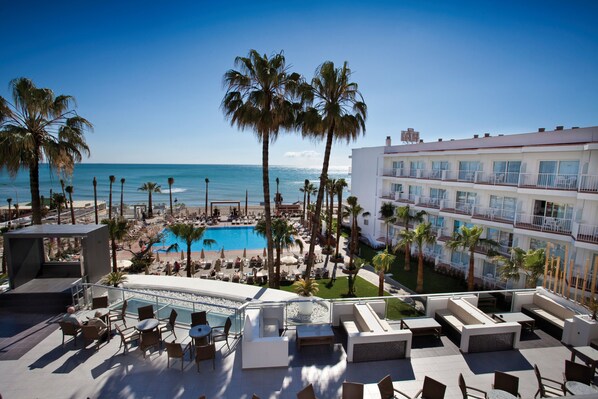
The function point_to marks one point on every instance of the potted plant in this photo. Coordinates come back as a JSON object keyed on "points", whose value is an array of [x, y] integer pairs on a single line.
{"points": [[305, 288], [114, 279]]}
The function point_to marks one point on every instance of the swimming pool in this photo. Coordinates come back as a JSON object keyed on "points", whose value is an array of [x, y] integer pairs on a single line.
{"points": [[229, 238]]}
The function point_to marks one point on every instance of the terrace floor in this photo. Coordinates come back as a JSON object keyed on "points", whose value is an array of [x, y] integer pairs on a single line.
{"points": [[34, 364]]}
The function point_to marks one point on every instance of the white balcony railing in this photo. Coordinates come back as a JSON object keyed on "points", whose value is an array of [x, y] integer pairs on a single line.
{"points": [[549, 181], [456, 207], [543, 223], [588, 183], [500, 214], [587, 233], [505, 179], [428, 202]]}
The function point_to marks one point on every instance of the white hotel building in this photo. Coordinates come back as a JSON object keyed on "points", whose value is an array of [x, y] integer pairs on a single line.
{"points": [[524, 189]]}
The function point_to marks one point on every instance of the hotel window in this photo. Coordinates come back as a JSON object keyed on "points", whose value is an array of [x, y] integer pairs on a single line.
{"points": [[557, 250], [460, 258], [506, 171], [397, 167], [558, 173], [504, 206], [547, 209], [467, 169], [503, 238], [465, 200], [415, 166], [457, 224], [396, 188], [438, 167], [489, 270], [414, 191], [437, 222]]}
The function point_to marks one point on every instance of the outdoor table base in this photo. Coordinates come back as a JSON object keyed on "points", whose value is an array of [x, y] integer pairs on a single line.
{"points": [[422, 326], [320, 334]]}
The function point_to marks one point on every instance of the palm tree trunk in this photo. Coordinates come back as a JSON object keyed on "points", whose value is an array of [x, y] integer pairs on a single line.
{"points": [[189, 260], [114, 268], [471, 269], [267, 210], [122, 188], [323, 178], [277, 276], [170, 194], [34, 188], [407, 251], [95, 199], [72, 208], [330, 212], [150, 213], [420, 271], [339, 218], [110, 202], [304, 199], [381, 283]]}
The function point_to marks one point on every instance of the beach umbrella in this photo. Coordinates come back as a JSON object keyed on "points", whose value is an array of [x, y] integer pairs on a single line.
{"points": [[288, 260], [157, 256], [222, 254], [241, 267], [217, 263], [202, 255], [182, 255], [244, 252], [265, 253]]}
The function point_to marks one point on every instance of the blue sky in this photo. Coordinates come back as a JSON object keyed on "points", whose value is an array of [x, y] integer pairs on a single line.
{"points": [[148, 74]]}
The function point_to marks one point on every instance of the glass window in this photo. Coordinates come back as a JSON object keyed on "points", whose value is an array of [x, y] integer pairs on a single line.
{"points": [[437, 193], [507, 171], [415, 191], [460, 258], [457, 224], [396, 188], [467, 169], [415, 166], [489, 270], [569, 168], [466, 197], [557, 250], [435, 220]]}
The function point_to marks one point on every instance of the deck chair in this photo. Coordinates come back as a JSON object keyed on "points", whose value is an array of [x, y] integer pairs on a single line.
{"points": [[145, 312], [387, 390], [547, 388], [506, 382], [175, 350], [198, 318], [116, 315], [432, 389], [577, 372], [99, 302], [169, 324], [352, 390], [479, 394], [127, 336], [307, 393], [220, 333], [149, 339], [95, 333], [69, 329], [205, 352]]}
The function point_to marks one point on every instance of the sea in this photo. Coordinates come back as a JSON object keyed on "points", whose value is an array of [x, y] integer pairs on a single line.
{"points": [[226, 182]]}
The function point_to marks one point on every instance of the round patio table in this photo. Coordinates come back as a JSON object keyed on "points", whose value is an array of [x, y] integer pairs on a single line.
{"points": [[499, 394], [147, 325], [579, 388], [200, 332]]}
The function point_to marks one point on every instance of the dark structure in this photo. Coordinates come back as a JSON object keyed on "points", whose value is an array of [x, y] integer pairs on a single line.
{"points": [[40, 285]]}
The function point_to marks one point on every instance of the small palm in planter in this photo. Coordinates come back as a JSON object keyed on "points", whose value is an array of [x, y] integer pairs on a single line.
{"points": [[114, 279], [306, 288]]}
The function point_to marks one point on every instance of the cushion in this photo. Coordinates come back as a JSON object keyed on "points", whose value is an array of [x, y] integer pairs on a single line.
{"points": [[462, 313], [270, 328], [553, 307]]}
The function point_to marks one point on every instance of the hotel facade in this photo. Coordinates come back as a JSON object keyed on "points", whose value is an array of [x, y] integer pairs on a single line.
{"points": [[525, 190]]}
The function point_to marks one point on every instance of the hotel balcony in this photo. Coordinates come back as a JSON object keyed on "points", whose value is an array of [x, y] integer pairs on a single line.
{"points": [[550, 181], [587, 233], [543, 223], [461, 208], [494, 214], [588, 184], [498, 179], [428, 202], [398, 197]]}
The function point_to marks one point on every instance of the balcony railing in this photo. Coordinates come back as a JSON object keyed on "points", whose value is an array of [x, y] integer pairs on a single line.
{"points": [[548, 181], [502, 179], [588, 183], [395, 172], [497, 214], [587, 233], [428, 202], [463, 208], [543, 223], [389, 195]]}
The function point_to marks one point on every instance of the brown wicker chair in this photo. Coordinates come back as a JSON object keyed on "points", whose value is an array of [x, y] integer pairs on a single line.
{"points": [[307, 393], [547, 388], [99, 302], [205, 352], [170, 323], [432, 389], [352, 390], [175, 350], [127, 336], [116, 315], [145, 312], [149, 339], [220, 333], [198, 318], [465, 390], [506, 382], [577, 372], [69, 329], [95, 333], [387, 390]]}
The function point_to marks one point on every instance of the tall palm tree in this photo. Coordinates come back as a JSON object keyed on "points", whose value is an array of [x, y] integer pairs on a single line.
{"points": [[207, 182], [530, 262], [95, 198], [353, 210], [405, 216], [170, 183], [122, 191], [382, 262], [277, 200], [69, 190], [311, 190], [338, 113], [62, 187], [387, 213], [331, 193], [259, 97], [282, 234], [468, 238], [304, 190], [112, 180], [9, 200], [117, 230], [38, 127], [59, 200], [190, 234], [151, 188], [340, 185], [422, 235]]}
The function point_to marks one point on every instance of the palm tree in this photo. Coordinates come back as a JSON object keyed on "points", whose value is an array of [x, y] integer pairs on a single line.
{"points": [[382, 262], [39, 127], [387, 213], [310, 191], [62, 186], [338, 113], [259, 97], [353, 210], [469, 238], [69, 190], [59, 200], [352, 276], [112, 180], [422, 235], [340, 185], [117, 230], [405, 217], [282, 235], [331, 189], [304, 190], [122, 190], [95, 198], [207, 182], [150, 187], [190, 234], [170, 183], [531, 263], [277, 200], [9, 200]]}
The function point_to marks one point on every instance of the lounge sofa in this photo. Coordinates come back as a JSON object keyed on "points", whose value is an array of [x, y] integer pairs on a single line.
{"points": [[369, 336], [477, 332], [548, 313], [262, 345]]}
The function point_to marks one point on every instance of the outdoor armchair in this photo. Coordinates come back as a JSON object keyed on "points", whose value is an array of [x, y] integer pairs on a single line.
{"points": [[198, 318], [116, 315], [99, 302], [145, 312], [220, 333], [95, 333], [176, 350], [506, 382], [169, 324], [307, 393], [205, 352], [149, 339], [69, 329], [432, 389], [387, 390], [465, 390], [546, 387], [127, 336], [352, 390]]}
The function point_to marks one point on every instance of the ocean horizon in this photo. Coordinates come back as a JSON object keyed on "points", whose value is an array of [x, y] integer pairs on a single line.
{"points": [[227, 182]]}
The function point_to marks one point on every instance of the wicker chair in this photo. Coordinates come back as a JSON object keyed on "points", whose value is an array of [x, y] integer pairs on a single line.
{"points": [[387, 390], [432, 389], [577, 372], [175, 350], [127, 336], [69, 329], [99, 302], [465, 390], [145, 312], [307, 393], [352, 390], [506, 382], [205, 352], [220, 333], [170, 323], [198, 318], [95, 333], [149, 339], [116, 315], [547, 388]]}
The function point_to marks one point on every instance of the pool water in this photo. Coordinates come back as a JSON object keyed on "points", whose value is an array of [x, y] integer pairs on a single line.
{"points": [[229, 238]]}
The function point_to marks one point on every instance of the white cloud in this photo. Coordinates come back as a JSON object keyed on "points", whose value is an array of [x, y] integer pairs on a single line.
{"points": [[301, 154]]}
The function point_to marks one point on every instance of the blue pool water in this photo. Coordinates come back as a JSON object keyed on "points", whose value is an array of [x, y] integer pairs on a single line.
{"points": [[229, 238]]}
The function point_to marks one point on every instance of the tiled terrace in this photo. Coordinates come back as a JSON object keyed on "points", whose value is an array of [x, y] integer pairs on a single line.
{"points": [[34, 364]]}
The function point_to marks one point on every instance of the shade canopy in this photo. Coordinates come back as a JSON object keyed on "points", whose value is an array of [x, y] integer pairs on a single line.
{"points": [[288, 260]]}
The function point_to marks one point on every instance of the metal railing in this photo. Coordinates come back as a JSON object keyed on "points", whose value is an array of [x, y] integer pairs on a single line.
{"points": [[429, 202], [456, 207], [497, 178], [587, 233], [549, 181], [494, 213], [588, 183], [543, 223]]}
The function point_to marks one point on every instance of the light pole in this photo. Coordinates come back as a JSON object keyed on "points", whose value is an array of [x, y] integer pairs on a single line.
{"points": [[207, 182], [9, 200]]}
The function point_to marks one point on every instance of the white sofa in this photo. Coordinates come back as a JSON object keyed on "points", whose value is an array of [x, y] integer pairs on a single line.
{"points": [[478, 332], [370, 337], [262, 346]]}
